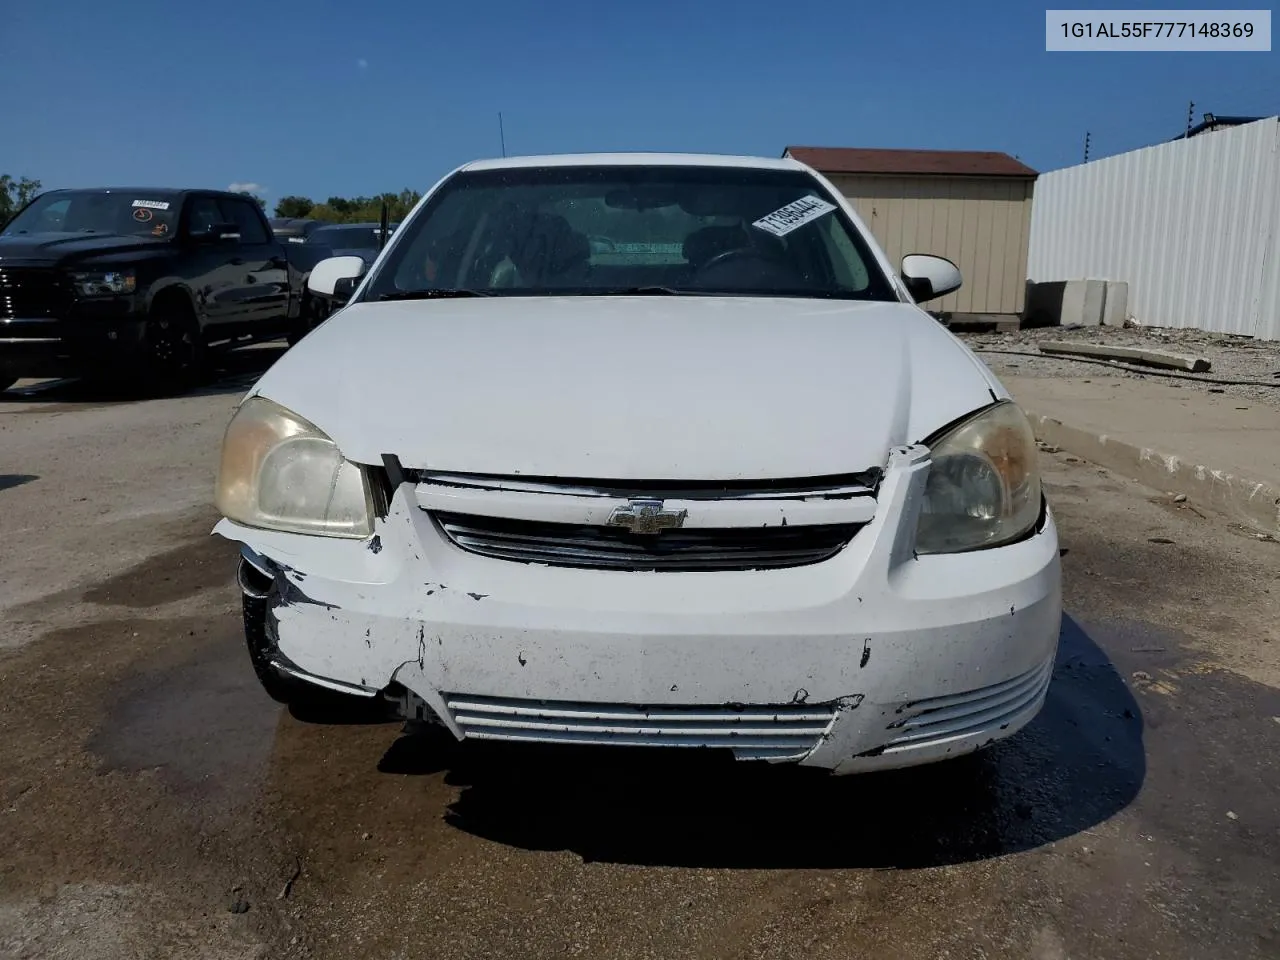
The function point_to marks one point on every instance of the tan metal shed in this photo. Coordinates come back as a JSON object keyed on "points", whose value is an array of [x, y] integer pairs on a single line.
{"points": [[972, 207]]}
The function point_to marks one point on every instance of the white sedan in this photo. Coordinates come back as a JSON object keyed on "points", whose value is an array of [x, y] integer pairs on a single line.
{"points": [[717, 482]]}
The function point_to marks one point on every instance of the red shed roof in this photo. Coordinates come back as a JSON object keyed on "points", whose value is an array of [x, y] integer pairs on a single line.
{"points": [[937, 163]]}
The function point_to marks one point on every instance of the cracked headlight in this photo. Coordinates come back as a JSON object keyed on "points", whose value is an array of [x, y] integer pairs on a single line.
{"points": [[280, 472], [104, 283], [984, 483]]}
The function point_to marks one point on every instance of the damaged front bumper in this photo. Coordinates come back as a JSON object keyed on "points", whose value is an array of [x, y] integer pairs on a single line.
{"points": [[874, 658]]}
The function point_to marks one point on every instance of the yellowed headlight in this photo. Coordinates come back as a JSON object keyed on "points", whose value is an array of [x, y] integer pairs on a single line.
{"points": [[281, 472], [984, 486]]}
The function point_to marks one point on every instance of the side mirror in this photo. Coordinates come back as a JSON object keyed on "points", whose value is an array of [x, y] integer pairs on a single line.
{"points": [[928, 278], [336, 277]]}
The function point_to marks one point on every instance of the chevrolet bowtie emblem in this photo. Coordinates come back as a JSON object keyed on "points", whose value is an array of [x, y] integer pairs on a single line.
{"points": [[646, 517]]}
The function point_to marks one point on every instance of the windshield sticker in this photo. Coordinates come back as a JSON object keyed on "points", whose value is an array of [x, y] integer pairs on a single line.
{"points": [[152, 204], [141, 214], [160, 229], [794, 215]]}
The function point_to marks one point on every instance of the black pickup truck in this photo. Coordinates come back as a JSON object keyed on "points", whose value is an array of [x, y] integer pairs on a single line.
{"points": [[129, 283]]}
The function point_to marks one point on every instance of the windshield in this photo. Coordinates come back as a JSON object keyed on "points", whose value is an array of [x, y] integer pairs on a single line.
{"points": [[632, 229], [346, 238], [133, 214]]}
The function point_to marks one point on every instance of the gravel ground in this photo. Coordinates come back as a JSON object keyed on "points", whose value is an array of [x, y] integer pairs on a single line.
{"points": [[156, 805], [1233, 358]]}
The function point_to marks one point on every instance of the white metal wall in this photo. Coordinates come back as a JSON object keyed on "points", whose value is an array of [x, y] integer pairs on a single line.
{"points": [[1193, 226]]}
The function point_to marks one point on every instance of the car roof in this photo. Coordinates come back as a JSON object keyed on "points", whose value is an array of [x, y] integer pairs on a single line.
{"points": [[152, 191], [638, 160], [140, 190]]}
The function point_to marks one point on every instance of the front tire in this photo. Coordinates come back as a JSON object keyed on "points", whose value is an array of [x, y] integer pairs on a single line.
{"points": [[313, 313], [173, 352]]}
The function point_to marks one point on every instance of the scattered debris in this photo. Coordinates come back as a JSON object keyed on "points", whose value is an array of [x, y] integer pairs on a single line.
{"points": [[1147, 650], [1231, 815], [288, 884], [1159, 540], [1149, 358], [1142, 676], [239, 905], [1180, 498]]}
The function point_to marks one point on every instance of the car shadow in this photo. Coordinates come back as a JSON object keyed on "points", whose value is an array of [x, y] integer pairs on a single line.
{"points": [[1080, 762], [8, 480], [228, 371]]}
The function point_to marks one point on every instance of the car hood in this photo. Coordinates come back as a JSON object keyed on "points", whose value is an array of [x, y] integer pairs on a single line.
{"points": [[46, 248], [664, 388]]}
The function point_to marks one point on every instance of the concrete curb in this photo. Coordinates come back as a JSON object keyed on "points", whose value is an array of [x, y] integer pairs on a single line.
{"points": [[1253, 502]]}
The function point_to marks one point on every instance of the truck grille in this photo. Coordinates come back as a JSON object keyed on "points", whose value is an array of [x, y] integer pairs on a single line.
{"points": [[31, 293], [781, 732], [573, 545]]}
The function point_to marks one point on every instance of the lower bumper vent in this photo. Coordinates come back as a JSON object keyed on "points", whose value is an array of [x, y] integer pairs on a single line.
{"points": [[784, 732]]}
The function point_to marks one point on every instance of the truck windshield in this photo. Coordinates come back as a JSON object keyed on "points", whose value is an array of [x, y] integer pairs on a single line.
{"points": [[631, 230], [140, 213]]}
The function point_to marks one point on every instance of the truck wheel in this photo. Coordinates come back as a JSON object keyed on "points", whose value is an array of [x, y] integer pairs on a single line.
{"points": [[172, 348], [312, 314]]}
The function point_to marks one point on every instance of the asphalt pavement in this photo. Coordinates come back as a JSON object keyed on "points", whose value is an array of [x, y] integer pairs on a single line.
{"points": [[154, 803]]}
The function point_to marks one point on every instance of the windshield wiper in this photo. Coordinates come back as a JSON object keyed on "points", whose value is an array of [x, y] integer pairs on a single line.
{"points": [[433, 293], [649, 291]]}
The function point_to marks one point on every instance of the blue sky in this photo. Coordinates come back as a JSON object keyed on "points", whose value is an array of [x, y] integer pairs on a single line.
{"points": [[323, 98]]}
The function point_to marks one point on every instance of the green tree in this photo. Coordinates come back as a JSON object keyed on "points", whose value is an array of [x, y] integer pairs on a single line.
{"points": [[14, 195], [294, 206], [350, 209], [322, 211]]}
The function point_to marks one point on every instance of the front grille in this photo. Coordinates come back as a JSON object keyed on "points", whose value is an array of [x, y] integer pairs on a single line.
{"points": [[782, 732], [31, 293], [929, 722], [573, 545]]}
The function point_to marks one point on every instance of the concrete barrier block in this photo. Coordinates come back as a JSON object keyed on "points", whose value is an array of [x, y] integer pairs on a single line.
{"points": [[1042, 306], [1082, 302], [1115, 307]]}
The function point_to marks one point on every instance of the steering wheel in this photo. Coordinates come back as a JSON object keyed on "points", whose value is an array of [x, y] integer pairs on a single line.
{"points": [[738, 253]]}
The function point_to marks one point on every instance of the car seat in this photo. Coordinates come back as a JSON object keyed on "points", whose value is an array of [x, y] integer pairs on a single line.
{"points": [[547, 251]]}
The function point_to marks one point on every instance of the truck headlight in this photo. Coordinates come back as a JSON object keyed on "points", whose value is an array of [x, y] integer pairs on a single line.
{"points": [[983, 488], [280, 472], [104, 283]]}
